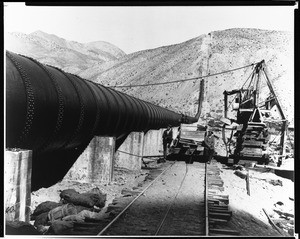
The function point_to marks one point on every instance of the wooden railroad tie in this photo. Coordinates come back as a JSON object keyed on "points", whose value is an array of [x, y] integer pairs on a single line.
{"points": [[223, 200], [217, 221], [130, 192], [214, 191], [215, 232], [214, 187], [218, 207], [218, 196], [215, 181], [213, 202], [215, 184], [220, 211], [220, 215]]}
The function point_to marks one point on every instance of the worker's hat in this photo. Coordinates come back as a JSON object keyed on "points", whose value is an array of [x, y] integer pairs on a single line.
{"points": [[209, 129]]}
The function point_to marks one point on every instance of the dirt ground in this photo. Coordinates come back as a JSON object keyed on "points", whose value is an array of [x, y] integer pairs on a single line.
{"points": [[180, 192], [122, 179], [267, 191]]}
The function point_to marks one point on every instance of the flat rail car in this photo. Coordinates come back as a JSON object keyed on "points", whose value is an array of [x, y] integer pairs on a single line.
{"points": [[188, 144]]}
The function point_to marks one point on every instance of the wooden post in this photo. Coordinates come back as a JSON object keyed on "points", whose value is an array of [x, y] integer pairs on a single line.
{"points": [[248, 183], [282, 138], [225, 104]]}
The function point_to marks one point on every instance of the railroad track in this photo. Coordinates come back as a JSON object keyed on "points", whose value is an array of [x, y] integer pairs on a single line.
{"points": [[194, 205], [178, 211], [171, 204], [124, 210], [216, 203]]}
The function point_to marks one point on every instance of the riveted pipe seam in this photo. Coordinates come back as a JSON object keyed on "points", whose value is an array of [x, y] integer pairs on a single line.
{"points": [[61, 111]]}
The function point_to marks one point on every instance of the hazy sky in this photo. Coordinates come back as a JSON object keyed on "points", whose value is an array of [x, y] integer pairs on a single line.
{"points": [[138, 28]]}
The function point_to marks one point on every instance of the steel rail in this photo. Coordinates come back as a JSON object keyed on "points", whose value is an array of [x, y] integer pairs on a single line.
{"points": [[272, 223], [117, 217], [171, 204], [206, 203]]}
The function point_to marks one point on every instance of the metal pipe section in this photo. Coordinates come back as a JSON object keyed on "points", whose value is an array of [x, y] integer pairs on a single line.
{"points": [[49, 110], [200, 99]]}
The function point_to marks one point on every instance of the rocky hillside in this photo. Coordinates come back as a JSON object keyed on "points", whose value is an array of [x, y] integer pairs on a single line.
{"points": [[70, 56], [207, 54]]}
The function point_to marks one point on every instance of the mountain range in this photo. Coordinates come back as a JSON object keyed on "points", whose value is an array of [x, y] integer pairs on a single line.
{"points": [[207, 54], [71, 56]]}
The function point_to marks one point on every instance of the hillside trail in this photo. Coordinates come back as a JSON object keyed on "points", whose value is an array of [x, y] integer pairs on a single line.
{"points": [[205, 49], [204, 70]]}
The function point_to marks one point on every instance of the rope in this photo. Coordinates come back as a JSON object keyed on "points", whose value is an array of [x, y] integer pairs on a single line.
{"points": [[129, 154], [138, 156], [189, 79]]}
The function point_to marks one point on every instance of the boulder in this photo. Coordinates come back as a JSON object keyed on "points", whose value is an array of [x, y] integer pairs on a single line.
{"points": [[241, 174], [20, 228], [238, 167], [99, 199], [41, 219], [62, 211], [74, 218], [93, 216], [291, 231], [60, 227], [276, 182], [80, 208], [43, 229], [44, 207], [89, 199], [72, 196]]}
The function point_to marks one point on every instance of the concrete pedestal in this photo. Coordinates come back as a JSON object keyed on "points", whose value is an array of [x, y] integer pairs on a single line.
{"points": [[17, 184], [95, 164], [153, 143], [129, 155], [98, 160]]}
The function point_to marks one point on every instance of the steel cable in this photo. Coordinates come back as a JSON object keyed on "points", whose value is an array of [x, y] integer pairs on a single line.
{"points": [[189, 79]]}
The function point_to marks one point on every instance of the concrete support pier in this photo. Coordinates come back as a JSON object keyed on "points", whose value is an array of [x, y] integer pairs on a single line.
{"points": [[17, 184], [96, 163], [153, 143], [129, 154]]}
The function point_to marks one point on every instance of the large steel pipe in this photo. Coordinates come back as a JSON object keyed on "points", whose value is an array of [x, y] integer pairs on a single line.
{"points": [[48, 109]]}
